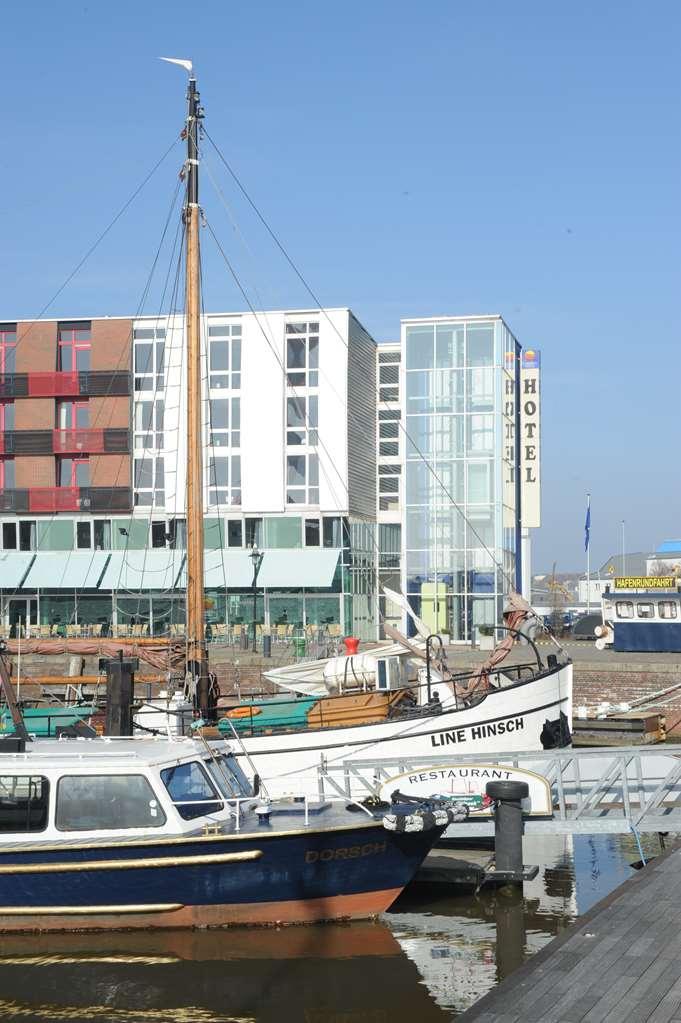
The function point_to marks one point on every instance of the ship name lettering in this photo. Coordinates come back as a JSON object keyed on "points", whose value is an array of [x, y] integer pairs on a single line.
{"points": [[497, 728], [445, 738], [348, 852]]}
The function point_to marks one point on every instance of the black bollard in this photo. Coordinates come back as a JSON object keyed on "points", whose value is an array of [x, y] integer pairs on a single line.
{"points": [[120, 687], [266, 645], [508, 828]]}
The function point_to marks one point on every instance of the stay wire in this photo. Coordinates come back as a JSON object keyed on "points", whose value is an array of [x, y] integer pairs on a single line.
{"points": [[509, 579]]}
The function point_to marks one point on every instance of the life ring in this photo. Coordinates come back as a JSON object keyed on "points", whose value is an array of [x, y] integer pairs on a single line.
{"points": [[243, 712]]}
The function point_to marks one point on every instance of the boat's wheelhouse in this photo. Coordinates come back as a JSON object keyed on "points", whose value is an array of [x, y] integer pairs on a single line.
{"points": [[644, 619], [58, 791]]}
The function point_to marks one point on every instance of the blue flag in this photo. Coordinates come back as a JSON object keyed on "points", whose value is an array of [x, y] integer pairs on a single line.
{"points": [[587, 524]]}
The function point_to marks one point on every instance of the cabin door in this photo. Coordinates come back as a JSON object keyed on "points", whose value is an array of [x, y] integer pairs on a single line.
{"points": [[21, 611]]}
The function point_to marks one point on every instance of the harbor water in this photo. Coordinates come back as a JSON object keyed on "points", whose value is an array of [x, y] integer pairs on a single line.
{"points": [[430, 958]]}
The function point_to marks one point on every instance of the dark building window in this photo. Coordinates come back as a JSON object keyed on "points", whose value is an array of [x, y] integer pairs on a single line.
{"points": [[312, 532], [8, 347], [234, 533], [74, 344]]}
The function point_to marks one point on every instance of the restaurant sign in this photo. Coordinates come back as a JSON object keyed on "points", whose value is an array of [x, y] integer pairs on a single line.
{"points": [[466, 783]]}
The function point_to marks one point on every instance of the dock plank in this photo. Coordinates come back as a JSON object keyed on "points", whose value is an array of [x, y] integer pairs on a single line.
{"points": [[620, 963]]}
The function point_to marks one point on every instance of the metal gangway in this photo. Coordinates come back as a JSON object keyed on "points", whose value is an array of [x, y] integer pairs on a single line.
{"points": [[605, 790]]}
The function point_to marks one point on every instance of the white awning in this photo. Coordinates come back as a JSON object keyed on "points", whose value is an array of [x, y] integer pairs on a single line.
{"points": [[155, 569], [164, 569], [66, 570], [13, 568], [280, 569]]}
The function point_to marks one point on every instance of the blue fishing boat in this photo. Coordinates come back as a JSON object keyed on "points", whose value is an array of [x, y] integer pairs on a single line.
{"points": [[116, 833]]}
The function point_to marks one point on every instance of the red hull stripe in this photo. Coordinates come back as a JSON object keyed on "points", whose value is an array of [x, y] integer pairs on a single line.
{"points": [[304, 911]]}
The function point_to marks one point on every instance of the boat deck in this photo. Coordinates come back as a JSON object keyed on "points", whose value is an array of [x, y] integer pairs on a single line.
{"points": [[620, 963]]}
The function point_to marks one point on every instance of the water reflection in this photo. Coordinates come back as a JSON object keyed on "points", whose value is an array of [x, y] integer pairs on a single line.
{"points": [[430, 958], [354, 973]]}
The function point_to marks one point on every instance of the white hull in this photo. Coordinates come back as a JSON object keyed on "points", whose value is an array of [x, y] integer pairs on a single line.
{"points": [[505, 720]]}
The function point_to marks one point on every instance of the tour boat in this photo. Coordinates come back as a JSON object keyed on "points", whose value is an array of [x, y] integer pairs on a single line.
{"points": [[117, 833]]}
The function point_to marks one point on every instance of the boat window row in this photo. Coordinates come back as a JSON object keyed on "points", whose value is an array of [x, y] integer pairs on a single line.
{"points": [[666, 609], [118, 802]]}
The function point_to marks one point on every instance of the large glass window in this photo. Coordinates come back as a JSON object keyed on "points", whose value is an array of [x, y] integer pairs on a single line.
{"points": [[302, 354], [234, 533], [302, 479], [149, 358], [224, 355], [253, 533], [224, 480], [479, 345], [420, 347], [149, 481], [302, 420], [149, 417], [107, 803], [74, 344], [191, 790], [225, 422], [24, 801], [9, 536], [667, 609]]}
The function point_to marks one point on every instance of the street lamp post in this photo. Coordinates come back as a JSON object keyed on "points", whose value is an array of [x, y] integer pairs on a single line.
{"points": [[256, 557]]}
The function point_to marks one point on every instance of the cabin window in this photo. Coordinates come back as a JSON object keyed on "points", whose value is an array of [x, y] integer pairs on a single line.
{"points": [[228, 777], [624, 608], [645, 610], [191, 790], [23, 803], [667, 609], [107, 802]]}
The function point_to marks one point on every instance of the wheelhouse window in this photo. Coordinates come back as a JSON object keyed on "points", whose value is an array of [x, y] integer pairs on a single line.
{"points": [[645, 610], [107, 803], [24, 800], [191, 790], [667, 609], [74, 345], [624, 608], [8, 347]]}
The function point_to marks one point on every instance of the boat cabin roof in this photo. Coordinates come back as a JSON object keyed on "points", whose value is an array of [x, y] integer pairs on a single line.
{"points": [[110, 751]]}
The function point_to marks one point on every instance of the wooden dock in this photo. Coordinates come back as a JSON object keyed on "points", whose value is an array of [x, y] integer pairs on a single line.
{"points": [[620, 963]]}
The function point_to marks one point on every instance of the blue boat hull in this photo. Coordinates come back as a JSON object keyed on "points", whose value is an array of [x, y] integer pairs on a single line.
{"points": [[209, 881]]}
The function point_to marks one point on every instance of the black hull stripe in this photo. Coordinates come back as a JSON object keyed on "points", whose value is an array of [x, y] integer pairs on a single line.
{"points": [[398, 735]]}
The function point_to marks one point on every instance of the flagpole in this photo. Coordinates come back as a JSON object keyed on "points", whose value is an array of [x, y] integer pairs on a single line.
{"points": [[624, 560], [588, 555]]}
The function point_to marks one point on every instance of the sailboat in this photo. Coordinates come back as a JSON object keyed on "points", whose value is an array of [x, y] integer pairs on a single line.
{"points": [[117, 832], [335, 711]]}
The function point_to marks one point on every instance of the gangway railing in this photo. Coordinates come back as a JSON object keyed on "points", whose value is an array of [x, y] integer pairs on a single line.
{"points": [[603, 790]]}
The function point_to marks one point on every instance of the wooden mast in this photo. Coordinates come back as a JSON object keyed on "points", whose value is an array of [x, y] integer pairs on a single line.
{"points": [[197, 656]]}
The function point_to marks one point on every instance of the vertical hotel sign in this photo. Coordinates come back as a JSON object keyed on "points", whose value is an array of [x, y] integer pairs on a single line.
{"points": [[530, 444]]}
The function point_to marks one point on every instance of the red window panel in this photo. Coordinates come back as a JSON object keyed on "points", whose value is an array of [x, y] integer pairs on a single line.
{"points": [[73, 415], [49, 385], [54, 499]]}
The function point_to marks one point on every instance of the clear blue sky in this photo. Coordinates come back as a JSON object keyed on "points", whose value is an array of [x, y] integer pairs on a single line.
{"points": [[439, 157]]}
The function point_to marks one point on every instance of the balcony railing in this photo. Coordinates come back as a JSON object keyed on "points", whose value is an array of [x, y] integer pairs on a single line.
{"points": [[94, 383], [48, 500], [65, 442]]}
